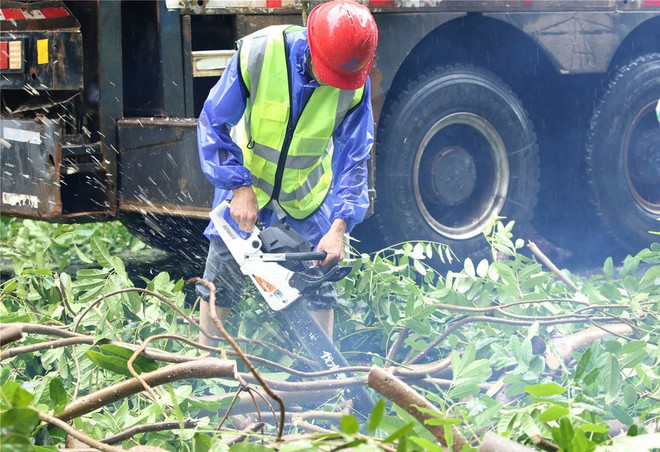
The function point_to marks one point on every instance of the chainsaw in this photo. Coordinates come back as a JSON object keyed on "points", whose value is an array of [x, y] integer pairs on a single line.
{"points": [[279, 262]]}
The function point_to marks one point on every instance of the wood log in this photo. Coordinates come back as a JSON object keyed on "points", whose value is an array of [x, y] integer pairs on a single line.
{"points": [[407, 398]]}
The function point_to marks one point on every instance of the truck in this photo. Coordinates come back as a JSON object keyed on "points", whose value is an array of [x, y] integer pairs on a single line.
{"points": [[537, 111]]}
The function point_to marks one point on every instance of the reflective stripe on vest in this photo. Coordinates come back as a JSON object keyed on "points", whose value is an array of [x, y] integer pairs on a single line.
{"points": [[262, 132]]}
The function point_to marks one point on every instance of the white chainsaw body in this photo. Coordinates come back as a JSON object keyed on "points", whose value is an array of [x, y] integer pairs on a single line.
{"points": [[271, 279]]}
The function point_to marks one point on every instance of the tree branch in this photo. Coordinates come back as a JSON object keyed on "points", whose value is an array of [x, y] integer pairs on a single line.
{"points": [[410, 400], [203, 368], [146, 428], [493, 442], [78, 434], [561, 348], [232, 342], [552, 267], [9, 334]]}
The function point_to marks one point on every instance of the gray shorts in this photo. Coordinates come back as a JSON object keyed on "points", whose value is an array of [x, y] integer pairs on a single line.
{"points": [[223, 271]]}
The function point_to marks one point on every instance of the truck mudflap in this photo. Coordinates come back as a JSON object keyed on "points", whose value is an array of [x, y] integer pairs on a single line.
{"points": [[31, 157]]}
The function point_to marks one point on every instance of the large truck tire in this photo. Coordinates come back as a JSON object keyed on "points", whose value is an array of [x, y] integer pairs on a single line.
{"points": [[455, 149], [623, 155]]}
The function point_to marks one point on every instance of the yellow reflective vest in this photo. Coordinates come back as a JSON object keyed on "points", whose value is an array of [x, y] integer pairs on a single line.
{"points": [[289, 162]]}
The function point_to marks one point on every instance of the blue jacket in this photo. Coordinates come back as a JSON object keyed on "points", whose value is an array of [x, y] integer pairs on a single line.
{"points": [[222, 159]]}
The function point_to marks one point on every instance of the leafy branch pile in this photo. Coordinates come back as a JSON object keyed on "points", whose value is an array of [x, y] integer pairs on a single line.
{"points": [[502, 350]]}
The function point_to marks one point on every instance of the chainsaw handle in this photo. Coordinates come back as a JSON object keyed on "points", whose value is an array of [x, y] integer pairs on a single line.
{"points": [[311, 256]]}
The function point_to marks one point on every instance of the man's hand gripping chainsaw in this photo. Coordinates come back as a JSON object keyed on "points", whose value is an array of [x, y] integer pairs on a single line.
{"points": [[277, 259]]}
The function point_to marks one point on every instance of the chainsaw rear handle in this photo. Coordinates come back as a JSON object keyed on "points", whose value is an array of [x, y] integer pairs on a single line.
{"points": [[310, 256]]}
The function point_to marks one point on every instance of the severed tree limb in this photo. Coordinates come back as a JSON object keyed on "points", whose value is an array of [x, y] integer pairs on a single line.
{"points": [[561, 348], [146, 428], [487, 319], [37, 328], [80, 436], [552, 267], [82, 339], [203, 368], [492, 442], [9, 334], [410, 400], [245, 433], [221, 328], [544, 444], [397, 345], [309, 427]]}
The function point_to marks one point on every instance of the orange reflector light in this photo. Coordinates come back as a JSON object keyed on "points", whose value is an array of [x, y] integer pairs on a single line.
{"points": [[265, 285]]}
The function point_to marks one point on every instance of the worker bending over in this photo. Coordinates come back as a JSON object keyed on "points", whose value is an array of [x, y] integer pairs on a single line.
{"points": [[287, 131]]}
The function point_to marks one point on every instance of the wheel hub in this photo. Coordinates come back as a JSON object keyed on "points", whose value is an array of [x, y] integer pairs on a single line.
{"points": [[460, 175], [453, 175], [646, 158], [642, 160]]}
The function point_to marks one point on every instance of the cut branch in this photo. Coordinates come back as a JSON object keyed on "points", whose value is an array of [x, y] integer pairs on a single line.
{"points": [[9, 334], [487, 319], [245, 433], [562, 348], [218, 324], [146, 428], [493, 442], [552, 267], [410, 400], [203, 368], [80, 436]]}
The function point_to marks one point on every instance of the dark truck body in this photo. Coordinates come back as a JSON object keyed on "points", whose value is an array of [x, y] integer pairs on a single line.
{"points": [[104, 126]]}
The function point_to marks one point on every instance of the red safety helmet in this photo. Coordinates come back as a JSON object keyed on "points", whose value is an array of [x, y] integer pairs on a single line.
{"points": [[342, 40]]}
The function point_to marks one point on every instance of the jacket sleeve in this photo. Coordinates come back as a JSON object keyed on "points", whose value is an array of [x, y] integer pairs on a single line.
{"points": [[220, 157], [353, 140]]}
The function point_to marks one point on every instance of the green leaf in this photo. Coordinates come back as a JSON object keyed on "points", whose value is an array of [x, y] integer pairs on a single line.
{"points": [[376, 416], [83, 257], [611, 379], [469, 267], [482, 268], [425, 444], [553, 412], [545, 389], [608, 268], [398, 434], [349, 425], [629, 395], [115, 359], [463, 390], [19, 421], [419, 267], [101, 253], [58, 394], [583, 364], [621, 415], [15, 396]]}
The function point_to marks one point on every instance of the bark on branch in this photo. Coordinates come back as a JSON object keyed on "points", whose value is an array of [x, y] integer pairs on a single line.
{"points": [[552, 267], [493, 442], [80, 436], [410, 400], [9, 334], [562, 348], [203, 368], [146, 428]]}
